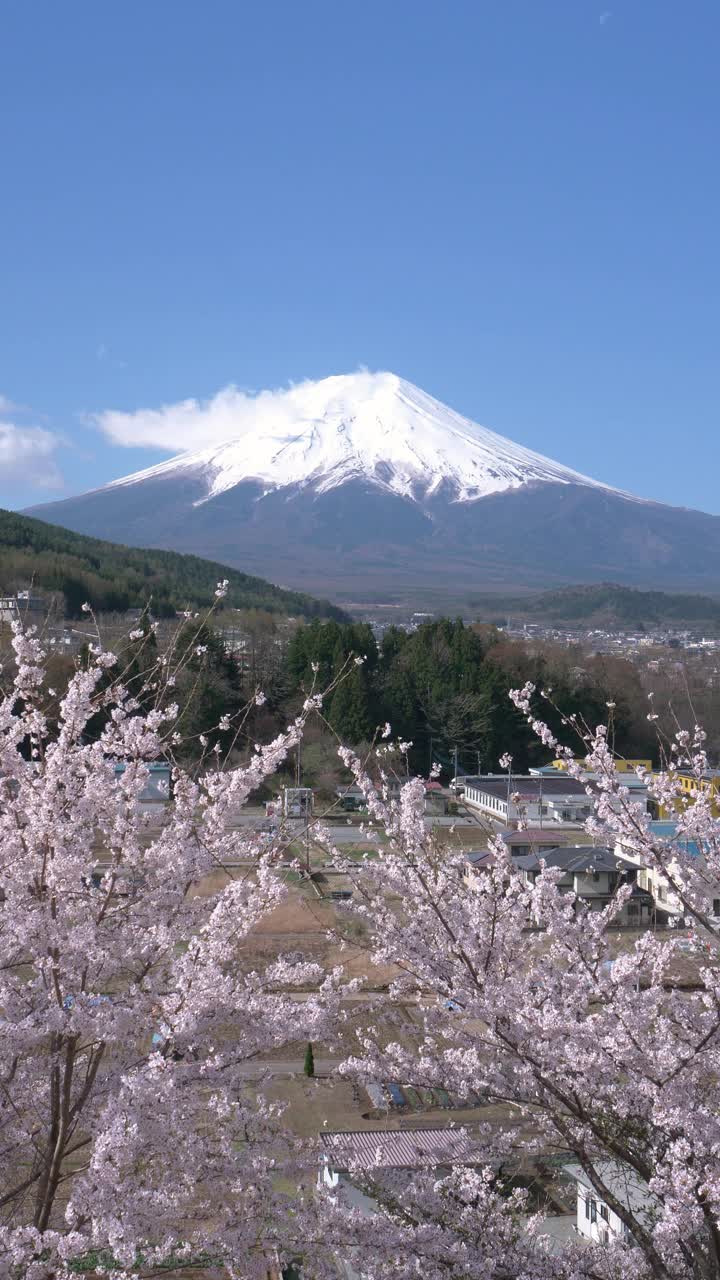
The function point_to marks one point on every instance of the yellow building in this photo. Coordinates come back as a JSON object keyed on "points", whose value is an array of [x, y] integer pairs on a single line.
{"points": [[708, 783], [622, 766]]}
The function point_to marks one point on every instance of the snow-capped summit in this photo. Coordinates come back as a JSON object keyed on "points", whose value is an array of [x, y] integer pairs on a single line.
{"points": [[362, 487], [364, 426]]}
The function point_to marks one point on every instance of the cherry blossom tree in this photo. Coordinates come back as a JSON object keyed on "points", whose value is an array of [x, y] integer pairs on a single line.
{"points": [[128, 1134], [129, 1138], [586, 1039]]}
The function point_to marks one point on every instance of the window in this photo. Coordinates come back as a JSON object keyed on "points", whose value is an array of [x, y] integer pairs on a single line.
{"points": [[604, 1213], [633, 908], [590, 1209], [716, 906]]}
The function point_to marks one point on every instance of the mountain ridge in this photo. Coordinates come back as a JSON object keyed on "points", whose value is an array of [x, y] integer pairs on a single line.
{"points": [[387, 492], [114, 577], [605, 604], [377, 427]]}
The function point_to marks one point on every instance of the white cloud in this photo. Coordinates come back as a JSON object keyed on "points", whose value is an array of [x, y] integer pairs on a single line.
{"points": [[27, 456], [232, 413]]}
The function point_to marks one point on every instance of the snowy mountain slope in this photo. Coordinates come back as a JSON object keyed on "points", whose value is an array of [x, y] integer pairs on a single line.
{"points": [[375, 427], [364, 487]]}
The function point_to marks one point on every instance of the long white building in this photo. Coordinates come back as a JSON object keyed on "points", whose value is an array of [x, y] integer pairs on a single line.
{"points": [[537, 801]]}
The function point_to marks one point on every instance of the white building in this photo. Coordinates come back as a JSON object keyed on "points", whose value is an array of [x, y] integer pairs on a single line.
{"points": [[537, 801], [23, 607], [657, 883], [595, 1219], [636, 786], [297, 802]]}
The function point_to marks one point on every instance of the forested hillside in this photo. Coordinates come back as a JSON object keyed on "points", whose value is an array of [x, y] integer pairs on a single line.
{"points": [[605, 604], [441, 688], [446, 685], [114, 578]]}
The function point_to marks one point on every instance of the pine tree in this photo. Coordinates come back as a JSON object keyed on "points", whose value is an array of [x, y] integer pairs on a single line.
{"points": [[309, 1063], [350, 713]]}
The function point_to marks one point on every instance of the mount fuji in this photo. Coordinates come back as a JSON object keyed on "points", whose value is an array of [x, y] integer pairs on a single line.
{"points": [[364, 487]]}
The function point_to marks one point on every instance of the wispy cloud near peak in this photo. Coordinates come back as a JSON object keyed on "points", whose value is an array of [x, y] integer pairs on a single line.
{"points": [[27, 453]]}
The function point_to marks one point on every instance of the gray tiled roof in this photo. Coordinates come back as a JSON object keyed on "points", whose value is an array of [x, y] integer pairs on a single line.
{"points": [[527, 786], [400, 1149], [576, 858]]}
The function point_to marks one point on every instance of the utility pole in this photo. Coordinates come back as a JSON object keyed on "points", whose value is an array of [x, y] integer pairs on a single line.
{"points": [[430, 760], [479, 765], [455, 775]]}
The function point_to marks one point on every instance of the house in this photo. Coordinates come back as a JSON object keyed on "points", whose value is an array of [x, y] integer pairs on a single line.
{"points": [[394, 1149], [531, 839], [358, 1169], [594, 874], [534, 800], [669, 909], [23, 607], [537, 840], [595, 1220], [476, 861]]}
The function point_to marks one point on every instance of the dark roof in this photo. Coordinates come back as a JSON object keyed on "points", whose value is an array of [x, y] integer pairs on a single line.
{"points": [[477, 856], [527, 786], [575, 858]]}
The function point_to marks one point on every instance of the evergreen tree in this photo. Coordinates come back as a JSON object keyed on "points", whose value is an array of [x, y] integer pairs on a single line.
{"points": [[351, 709], [209, 686], [114, 578], [309, 1063]]}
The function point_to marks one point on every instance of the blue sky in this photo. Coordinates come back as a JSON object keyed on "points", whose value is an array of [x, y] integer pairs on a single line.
{"points": [[512, 203]]}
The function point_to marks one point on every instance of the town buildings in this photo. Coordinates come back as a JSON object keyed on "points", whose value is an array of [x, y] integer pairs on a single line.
{"points": [[533, 800], [595, 1220], [25, 607], [659, 883], [693, 785], [594, 874]]}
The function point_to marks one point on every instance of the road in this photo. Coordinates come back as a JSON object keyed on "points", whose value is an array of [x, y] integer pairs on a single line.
{"points": [[264, 1069], [344, 832]]}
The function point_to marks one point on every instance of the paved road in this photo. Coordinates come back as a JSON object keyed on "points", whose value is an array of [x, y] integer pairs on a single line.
{"points": [[262, 1069], [350, 833]]}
